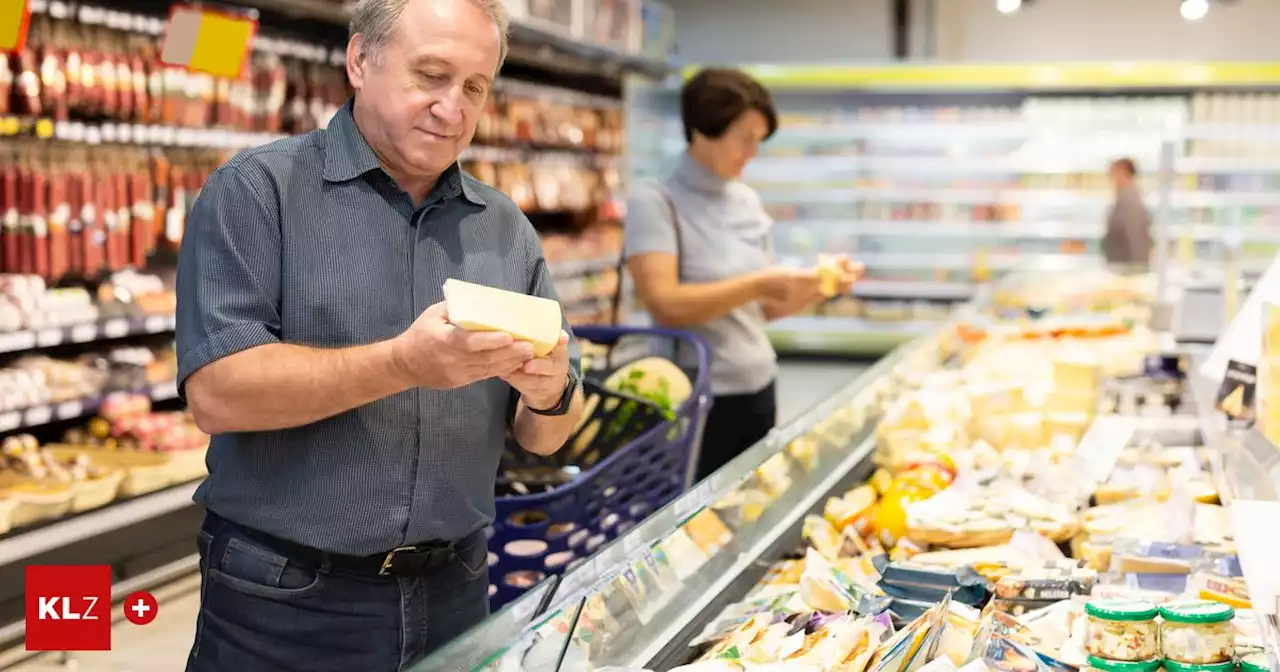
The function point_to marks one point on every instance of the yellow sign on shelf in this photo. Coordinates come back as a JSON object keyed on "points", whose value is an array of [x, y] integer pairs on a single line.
{"points": [[209, 41], [1067, 75], [15, 18]]}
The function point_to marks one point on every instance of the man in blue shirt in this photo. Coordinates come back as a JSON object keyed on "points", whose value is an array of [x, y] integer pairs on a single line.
{"points": [[356, 433]]}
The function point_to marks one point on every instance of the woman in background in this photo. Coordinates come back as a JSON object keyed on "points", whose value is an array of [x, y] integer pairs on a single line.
{"points": [[698, 246]]}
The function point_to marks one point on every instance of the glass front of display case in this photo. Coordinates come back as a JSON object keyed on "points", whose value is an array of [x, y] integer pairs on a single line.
{"points": [[638, 594]]}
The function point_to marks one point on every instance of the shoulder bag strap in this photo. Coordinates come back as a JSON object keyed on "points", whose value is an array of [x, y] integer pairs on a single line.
{"points": [[622, 257]]}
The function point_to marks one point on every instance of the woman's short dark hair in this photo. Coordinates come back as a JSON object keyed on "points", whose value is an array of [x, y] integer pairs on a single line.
{"points": [[715, 98]]}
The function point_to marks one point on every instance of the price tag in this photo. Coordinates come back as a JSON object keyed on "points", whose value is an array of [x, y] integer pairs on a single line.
{"points": [[18, 340], [47, 338], [8, 125], [44, 129], [108, 132], [10, 421], [162, 391], [69, 409], [115, 328], [630, 543], [157, 323], [692, 501], [84, 333], [1101, 445], [38, 415]]}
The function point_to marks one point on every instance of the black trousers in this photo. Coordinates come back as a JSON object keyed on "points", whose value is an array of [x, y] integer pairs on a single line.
{"points": [[736, 422]]}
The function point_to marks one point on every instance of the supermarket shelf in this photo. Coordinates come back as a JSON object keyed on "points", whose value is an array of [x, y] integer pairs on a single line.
{"points": [[571, 268], [967, 262], [907, 289], [93, 523], [43, 414], [916, 227], [105, 330], [844, 335]]}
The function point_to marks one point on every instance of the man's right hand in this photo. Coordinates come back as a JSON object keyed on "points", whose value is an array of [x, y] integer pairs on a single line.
{"points": [[435, 354]]}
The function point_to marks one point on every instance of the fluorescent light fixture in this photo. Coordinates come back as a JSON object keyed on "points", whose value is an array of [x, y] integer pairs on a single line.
{"points": [[1008, 6], [1194, 10]]}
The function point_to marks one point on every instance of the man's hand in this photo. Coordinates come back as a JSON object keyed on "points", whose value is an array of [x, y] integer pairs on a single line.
{"points": [[541, 381], [435, 354]]}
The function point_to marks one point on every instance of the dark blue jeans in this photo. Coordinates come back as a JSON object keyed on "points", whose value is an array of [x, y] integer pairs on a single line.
{"points": [[262, 610]]}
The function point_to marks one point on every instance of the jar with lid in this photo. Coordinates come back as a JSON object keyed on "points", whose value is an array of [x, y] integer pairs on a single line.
{"points": [[1255, 662], [1175, 666], [1198, 633], [1097, 664], [1122, 630]]}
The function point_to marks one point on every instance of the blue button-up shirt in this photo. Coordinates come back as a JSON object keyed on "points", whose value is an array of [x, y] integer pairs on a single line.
{"points": [[308, 241]]}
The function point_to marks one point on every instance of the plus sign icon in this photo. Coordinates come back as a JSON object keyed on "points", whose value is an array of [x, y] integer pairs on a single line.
{"points": [[140, 608]]}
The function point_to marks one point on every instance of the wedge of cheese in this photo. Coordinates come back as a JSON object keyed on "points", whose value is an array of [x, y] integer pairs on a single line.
{"points": [[527, 318]]}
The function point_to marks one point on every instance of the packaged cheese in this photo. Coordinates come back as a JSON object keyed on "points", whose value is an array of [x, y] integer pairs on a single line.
{"points": [[527, 318]]}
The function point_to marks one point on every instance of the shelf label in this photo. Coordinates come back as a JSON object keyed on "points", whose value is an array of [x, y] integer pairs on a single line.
{"points": [[9, 421], [1101, 445], [692, 501], [46, 338], [84, 333], [18, 340], [70, 409], [162, 391], [39, 415], [115, 328]]}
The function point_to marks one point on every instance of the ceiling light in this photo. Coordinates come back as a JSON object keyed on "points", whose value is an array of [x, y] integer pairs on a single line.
{"points": [[1008, 6], [1194, 10]]}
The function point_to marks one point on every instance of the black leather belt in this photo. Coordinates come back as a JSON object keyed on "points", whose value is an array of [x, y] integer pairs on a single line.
{"points": [[404, 561]]}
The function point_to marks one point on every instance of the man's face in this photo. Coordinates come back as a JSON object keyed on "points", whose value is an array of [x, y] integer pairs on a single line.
{"points": [[421, 97]]}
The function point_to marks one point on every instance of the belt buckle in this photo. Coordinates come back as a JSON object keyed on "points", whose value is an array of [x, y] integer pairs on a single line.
{"points": [[386, 562]]}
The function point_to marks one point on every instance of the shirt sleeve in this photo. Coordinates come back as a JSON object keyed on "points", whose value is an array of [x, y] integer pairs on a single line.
{"points": [[649, 226], [228, 271]]}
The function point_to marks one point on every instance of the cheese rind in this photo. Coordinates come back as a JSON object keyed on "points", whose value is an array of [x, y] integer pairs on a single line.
{"points": [[527, 318]]}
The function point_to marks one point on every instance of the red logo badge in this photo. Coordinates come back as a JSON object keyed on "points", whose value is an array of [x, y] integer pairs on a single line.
{"points": [[68, 608], [141, 607]]}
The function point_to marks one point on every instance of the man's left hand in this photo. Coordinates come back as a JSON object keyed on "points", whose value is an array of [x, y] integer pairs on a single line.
{"points": [[541, 381]]}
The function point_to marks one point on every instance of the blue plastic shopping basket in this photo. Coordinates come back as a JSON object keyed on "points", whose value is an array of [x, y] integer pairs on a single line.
{"points": [[632, 461]]}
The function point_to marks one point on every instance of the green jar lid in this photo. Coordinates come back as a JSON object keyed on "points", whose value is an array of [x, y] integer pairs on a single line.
{"points": [[1200, 611], [1175, 666], [1121, 666], [1117, 609], [1255, 662]]}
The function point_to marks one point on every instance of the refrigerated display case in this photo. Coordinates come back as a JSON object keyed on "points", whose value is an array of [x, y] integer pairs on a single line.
{"points": [[941, 178], [1144, 449]]}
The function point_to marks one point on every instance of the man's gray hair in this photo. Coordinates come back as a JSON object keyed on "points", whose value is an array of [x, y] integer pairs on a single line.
{"points": [[375, 21]]}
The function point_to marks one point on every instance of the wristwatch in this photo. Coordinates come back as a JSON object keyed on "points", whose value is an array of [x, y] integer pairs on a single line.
{"points": [[566, 397]]}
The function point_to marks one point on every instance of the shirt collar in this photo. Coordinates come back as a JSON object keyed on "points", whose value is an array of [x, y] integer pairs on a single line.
{"points": [[697, 177], [348, 155]]}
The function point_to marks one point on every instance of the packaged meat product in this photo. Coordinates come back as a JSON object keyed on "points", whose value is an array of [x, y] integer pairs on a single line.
{"points": [[1198, 633], [1120, 629], [1032, 587], [9, 214]]}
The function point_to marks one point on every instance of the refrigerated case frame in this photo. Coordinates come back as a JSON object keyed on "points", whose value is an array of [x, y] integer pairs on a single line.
{"points": [[1235, 468], [844, 448]]}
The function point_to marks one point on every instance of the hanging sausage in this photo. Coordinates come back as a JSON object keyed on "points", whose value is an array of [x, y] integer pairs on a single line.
{"points": [[37, 220], [10, 209], [59, 216]]}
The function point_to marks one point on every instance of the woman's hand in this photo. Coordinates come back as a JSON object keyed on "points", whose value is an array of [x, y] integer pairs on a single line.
{"points": [[850, 273], [787, 291]]}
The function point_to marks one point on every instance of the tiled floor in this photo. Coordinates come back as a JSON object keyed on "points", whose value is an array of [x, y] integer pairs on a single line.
{"points": [[162, 645]]}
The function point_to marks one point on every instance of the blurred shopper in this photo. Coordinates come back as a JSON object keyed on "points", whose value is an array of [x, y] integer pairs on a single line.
{"points": [[356, 433], [699, 247], [1127, 242]]}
